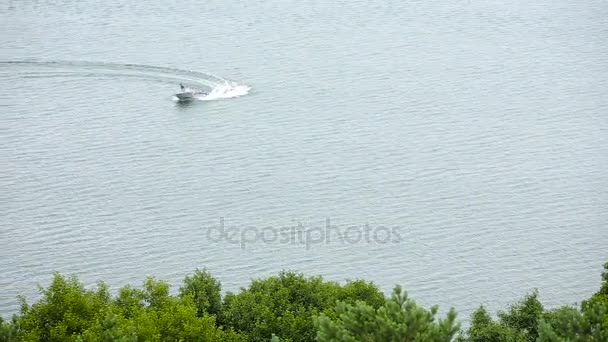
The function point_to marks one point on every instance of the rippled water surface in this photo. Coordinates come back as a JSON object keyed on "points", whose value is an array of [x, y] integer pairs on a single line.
{"points": [[475, 133]]}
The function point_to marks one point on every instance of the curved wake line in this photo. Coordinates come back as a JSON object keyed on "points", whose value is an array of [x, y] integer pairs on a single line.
{"points": [[220, 88]]}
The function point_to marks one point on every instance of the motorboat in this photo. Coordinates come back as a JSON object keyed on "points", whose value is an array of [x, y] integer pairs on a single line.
{"points": [[188, 94]]}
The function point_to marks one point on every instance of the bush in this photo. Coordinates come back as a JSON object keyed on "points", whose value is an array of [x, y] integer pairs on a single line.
{"points": [[398, 319], [204, 290], [285, 305], [528, 321]]}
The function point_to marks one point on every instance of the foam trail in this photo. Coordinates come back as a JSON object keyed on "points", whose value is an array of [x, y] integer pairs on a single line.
{"points": [[220, 88], [226, 90]]}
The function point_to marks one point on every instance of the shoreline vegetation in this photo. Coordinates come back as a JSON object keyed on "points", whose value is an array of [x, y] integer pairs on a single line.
{"points": [[286, 307]]}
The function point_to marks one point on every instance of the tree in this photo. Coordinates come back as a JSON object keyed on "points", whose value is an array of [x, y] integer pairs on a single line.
{"points": [[524, 316], [528, 321], [518, 324], [69, 312], [590, 323], [65, 310], [398, 319], [602, 294], [112, 328], [484, 329], [570, 324], [152, 314], [8, 330], [285, 305], [204, 290]]}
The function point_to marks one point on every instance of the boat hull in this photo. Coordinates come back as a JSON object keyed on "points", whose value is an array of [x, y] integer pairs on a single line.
{"points": [[184, 96]]}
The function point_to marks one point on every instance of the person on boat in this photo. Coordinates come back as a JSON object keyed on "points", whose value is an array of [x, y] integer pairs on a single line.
{"points": [[182, 86]]}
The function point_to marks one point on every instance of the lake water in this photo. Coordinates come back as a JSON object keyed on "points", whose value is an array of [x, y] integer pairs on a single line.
{"points": [[457, 148]]}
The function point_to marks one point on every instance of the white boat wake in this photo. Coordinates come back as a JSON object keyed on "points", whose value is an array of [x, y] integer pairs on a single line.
{"points": [[227, 90], [218, 88], [219, 91]]}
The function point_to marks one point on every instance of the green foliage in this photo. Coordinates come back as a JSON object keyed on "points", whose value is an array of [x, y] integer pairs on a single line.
{"points": [[518, 324], [484, 329], [590, 323], [111, 328], [66, 310], [8, 330], [604, 288], [398, 319], [69, 312], [285, 305], [524, 316], [204, 290], [602, 294], [527, 321], [151, 314], [360, 290], [570, 324]]}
